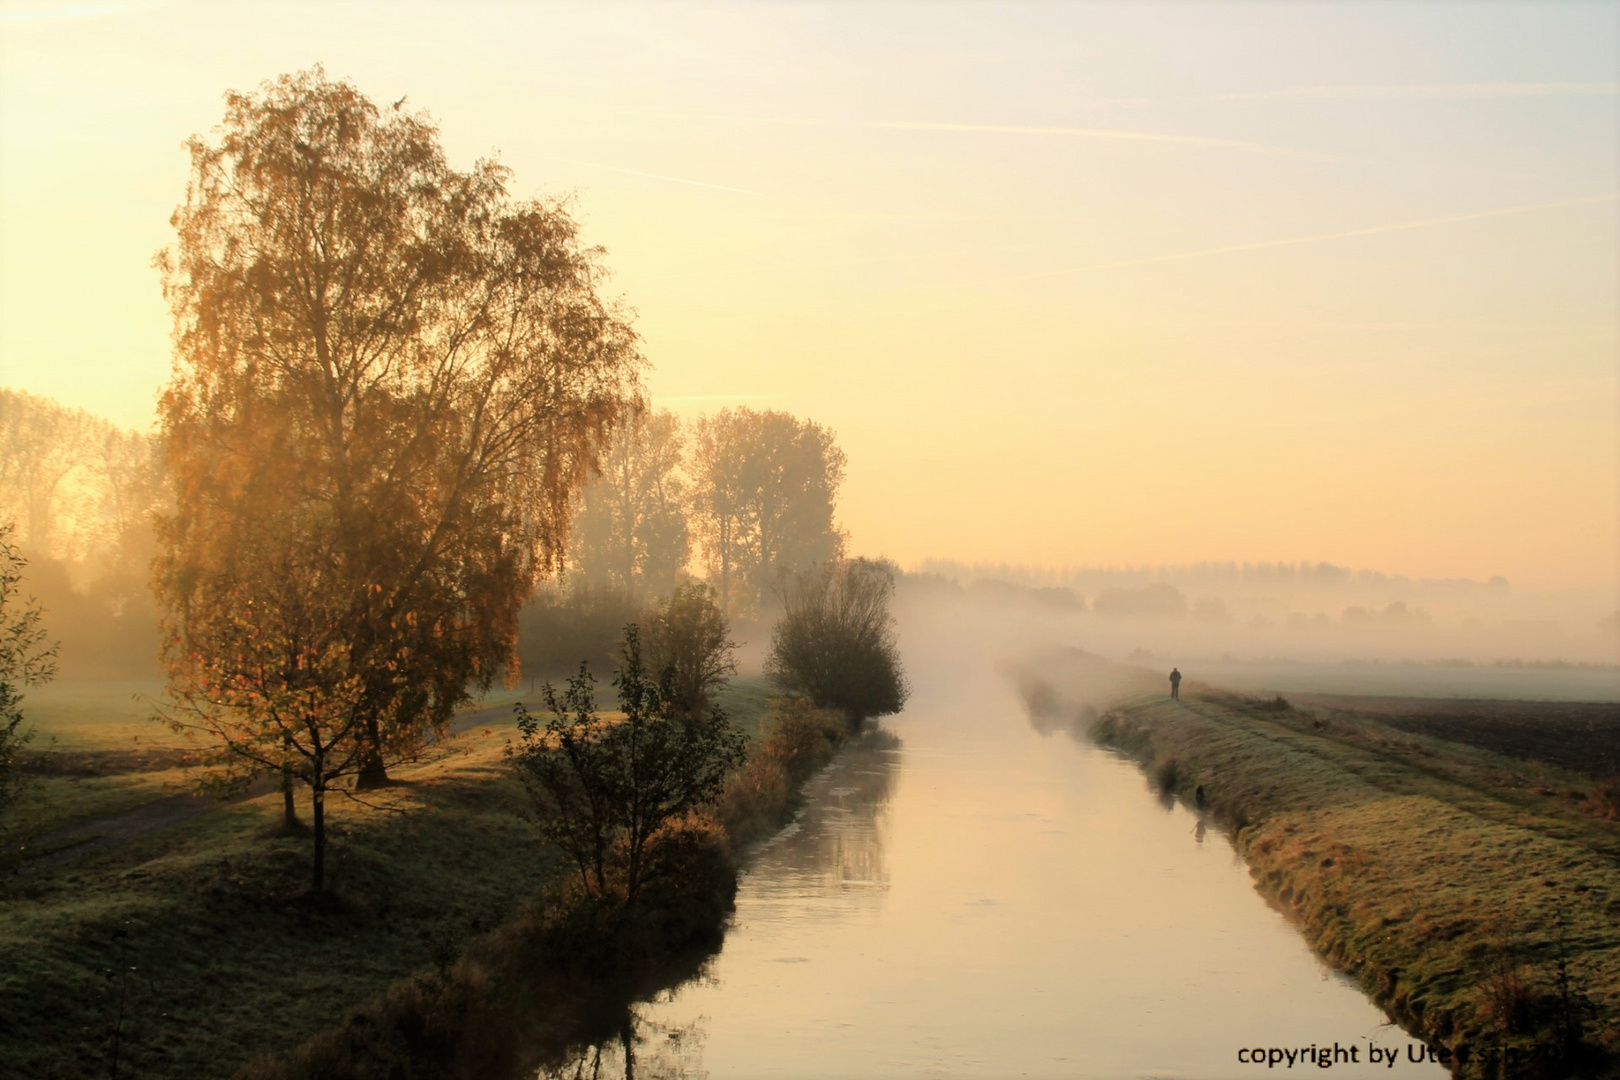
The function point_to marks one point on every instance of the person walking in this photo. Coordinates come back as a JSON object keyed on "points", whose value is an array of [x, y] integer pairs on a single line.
{"points": [[1175, 684]]}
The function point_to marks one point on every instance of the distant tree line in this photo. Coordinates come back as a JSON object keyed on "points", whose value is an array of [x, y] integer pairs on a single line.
{"points": [[747, 496], [73, 484], [1304, 576], [742, 497], [80, 493]]}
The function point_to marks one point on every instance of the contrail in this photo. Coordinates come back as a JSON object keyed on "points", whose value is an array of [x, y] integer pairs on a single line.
{"points": [[655, 176], [1257, 245], [1113, 133], [1242, 145], [1432, 90], [73, 11]]}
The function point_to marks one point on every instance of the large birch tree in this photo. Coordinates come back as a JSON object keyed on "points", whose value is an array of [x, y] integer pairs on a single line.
{"points": [[391, 380]]}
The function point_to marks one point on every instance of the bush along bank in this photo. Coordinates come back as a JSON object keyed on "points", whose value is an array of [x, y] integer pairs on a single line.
{"points": [[1474, 905], [564, 972]]}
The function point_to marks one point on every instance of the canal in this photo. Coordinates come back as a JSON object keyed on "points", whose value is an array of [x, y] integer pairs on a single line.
{"points": [[965, 896]]}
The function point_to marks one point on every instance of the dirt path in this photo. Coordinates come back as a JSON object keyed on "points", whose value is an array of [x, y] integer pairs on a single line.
{"points": [[65, 845], [74, 841]]}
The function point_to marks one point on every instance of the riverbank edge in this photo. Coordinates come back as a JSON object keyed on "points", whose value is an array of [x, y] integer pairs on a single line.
{"points": [[1483, 1017], [563, 971]]}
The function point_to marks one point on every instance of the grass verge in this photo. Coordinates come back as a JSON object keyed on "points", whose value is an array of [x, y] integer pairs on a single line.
{"points": [[1476, 897], [564, 973], [190, 951]]}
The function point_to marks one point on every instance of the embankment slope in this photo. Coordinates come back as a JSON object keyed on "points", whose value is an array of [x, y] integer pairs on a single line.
{"points": [[1475, 896], [1478, 904]]}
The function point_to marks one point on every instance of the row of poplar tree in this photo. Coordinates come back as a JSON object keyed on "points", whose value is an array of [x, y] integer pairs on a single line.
{"points": [[743, 498], [752, 493]]}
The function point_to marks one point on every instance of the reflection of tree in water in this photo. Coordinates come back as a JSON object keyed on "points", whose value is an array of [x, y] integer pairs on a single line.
{"points": [[836, 843], [641, 1049], [834, 850]]}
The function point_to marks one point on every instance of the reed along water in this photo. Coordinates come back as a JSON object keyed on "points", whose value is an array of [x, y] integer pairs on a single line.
{"points": [[965, 896]]}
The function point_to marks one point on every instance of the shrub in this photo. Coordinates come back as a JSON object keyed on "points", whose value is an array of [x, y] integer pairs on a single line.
{"points": [[687, 636], [601, 789], [25, 660], [835, 644], [802, 738], [762, 797]]}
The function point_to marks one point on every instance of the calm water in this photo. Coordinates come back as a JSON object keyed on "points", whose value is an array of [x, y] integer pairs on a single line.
{"points": [[983, 900]]}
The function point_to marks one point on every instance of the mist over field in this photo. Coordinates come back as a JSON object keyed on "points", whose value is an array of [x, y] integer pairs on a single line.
{"points": [[1282, 628], [832, 541], [1256, 612], [79, 489]]}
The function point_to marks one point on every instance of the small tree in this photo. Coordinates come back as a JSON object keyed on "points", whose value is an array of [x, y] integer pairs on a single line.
{"points": [[835, 643], [566, 765], [687, 636], [25, 660], [603, 788], [274, 686]]}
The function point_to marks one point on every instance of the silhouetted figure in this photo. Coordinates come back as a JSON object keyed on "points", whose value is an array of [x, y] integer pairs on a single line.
{"points": [[1198, 797], [1175, 684]]}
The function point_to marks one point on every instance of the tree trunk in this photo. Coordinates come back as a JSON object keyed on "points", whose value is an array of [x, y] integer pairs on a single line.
{"points": [[373, 773], [629, 525], [318, 818], [764, 586], [289, 812], [632, 883], [725, 565], [627, 1040], [599, 864]]}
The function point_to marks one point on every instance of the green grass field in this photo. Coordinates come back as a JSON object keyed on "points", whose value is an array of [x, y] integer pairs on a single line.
{"points": [[194, 948], [84, 715]]}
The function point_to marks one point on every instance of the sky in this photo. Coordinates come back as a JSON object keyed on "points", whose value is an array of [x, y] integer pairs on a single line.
{"points": [[1074, 284]]}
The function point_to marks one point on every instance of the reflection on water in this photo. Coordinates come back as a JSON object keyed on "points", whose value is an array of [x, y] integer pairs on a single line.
{"points": [[829, 862], [826, 865], [642, 1049], [985, 899]]}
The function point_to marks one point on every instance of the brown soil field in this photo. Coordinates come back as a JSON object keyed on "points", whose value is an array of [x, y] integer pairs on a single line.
{"points": [[1581, 736]]}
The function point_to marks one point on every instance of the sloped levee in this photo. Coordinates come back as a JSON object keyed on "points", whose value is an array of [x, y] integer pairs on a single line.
{"points": [[561, 977], [1474, 897]]}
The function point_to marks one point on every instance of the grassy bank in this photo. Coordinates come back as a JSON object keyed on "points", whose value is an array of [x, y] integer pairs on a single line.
{"points": [[563, 973], [191, 950], [1475, 896]]}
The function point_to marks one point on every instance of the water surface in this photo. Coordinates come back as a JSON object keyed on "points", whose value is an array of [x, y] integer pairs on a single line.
{"points": [[983, 900]]}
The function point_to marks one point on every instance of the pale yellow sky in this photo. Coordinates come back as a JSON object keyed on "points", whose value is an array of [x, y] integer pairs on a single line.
{"points": [[1107, 283]]}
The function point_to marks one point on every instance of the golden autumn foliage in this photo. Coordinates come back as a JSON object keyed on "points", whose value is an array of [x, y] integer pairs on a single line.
{"points": [[391, 380]]}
